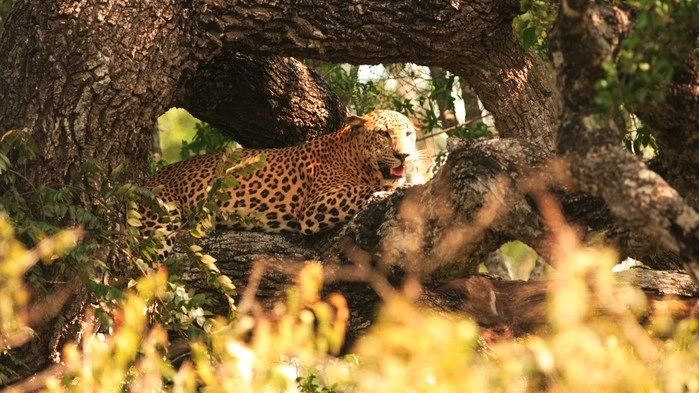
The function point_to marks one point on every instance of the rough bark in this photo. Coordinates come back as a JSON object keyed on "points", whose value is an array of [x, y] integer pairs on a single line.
{"points": [[489, 56], [80, 80], [674, 125], [586, 35], [262, 101]]}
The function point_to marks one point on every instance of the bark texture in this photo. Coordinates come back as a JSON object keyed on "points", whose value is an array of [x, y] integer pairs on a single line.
{"points": [[262, 101], [475, 40], [79, 81], [588, 34]]}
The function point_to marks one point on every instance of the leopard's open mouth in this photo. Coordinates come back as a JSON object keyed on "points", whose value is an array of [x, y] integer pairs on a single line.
{"points": [[392, 173], [398, 171]]}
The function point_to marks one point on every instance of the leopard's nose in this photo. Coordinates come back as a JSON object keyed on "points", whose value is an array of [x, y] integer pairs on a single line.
{"points": [[401, 156]]}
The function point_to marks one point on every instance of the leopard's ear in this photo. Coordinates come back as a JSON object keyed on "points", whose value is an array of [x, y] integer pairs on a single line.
{"points": [[356, 124], [355, 121], [416, 124]]}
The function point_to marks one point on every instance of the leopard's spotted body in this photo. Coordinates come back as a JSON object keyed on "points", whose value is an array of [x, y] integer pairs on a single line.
{"points": [[307, 188]]}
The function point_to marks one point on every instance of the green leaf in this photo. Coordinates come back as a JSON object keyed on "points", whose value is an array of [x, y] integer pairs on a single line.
{"points": [[529, 37], [134, 222]]}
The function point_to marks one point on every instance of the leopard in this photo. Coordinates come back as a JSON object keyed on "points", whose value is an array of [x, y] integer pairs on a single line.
{"points": [[305, 189]]}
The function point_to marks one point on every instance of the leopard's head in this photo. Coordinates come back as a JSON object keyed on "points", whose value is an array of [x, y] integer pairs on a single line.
{"points": [[390, 141]]}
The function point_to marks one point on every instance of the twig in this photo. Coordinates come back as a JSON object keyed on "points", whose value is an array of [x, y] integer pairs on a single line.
{"points": [[36, 381], [450, 129]]}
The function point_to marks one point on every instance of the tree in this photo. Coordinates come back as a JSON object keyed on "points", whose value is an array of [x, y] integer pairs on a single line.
{"points": [[89, 79]]}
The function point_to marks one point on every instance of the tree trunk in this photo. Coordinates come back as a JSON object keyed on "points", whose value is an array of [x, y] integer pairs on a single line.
{"points": [[86, 81], [89, 81]]}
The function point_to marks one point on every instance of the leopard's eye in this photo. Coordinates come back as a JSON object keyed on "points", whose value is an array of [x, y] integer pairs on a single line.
{"points": [[385, 134]]}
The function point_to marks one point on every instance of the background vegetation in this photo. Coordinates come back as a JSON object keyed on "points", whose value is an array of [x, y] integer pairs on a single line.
{"points": [[595, 340]]}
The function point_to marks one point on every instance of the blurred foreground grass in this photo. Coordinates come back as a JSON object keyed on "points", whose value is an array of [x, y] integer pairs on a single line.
{"points": [[594, 342]]}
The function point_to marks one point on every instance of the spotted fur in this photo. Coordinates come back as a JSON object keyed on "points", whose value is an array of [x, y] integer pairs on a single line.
{"points": [[307, 188]]}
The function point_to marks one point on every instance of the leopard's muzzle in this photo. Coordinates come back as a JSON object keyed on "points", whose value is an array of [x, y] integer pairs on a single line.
{"points": [[395, 171]]}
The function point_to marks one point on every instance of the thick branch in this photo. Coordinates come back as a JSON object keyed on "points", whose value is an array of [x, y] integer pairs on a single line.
{"points": [[262, 101], [269, 263], [362, 33], [473, 39]]}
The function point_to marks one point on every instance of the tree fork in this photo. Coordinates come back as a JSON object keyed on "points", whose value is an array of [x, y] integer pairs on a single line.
{"points": [[637, 196]]}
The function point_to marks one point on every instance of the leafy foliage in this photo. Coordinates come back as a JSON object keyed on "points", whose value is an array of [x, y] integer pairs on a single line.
{"points": [[534, 24], [655, 48], [38, 216], [15, 261], [594, 343], [5, 6], [309, 385], [206, 139], [639, 140]]}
